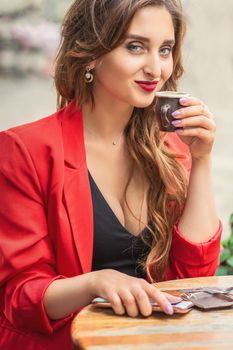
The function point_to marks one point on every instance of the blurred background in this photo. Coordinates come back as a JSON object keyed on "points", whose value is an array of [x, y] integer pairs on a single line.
{"points": [[29, 36]]}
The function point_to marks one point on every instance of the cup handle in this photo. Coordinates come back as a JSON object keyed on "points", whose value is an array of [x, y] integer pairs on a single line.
{"points": [[164, 117]]}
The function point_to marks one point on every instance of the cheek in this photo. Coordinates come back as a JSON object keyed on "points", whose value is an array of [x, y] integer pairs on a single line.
{"points": [[167, 69], [116, 70]]}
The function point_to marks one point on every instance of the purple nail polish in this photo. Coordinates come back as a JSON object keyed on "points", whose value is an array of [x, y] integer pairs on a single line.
{"points": [[169, 309], [176, 122], [175, 114], [183, 100]]}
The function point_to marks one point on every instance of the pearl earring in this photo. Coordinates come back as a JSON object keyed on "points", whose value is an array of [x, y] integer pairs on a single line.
{"points": [[88, 75]]}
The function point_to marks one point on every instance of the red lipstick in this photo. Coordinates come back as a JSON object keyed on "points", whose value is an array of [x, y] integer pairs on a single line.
{"points": [[147, 85]]}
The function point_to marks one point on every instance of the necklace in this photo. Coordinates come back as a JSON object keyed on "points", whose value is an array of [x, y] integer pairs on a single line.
{"points": [[114, 142]]}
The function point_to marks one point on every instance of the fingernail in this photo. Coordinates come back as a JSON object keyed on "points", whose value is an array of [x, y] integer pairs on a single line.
{"points": [[176, 113], [183, 100], [169, 309], [176, 122]]}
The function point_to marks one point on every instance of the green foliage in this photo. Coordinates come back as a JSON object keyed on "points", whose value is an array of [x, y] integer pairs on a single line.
{"points": [[226, 257]]}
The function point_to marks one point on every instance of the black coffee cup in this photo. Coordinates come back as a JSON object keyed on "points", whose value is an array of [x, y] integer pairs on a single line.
{"points": [[166, 103]]}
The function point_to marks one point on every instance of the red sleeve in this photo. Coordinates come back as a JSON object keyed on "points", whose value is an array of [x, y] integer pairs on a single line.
{"points": [[26, 258], [180, 149], [188, 259]]}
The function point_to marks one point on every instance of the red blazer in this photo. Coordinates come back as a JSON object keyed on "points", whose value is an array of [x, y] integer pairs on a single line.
{"points": [[46, 227]]}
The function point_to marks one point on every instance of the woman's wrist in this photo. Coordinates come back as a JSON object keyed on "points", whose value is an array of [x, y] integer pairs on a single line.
{"points": [[92, 284], [207, 159]]}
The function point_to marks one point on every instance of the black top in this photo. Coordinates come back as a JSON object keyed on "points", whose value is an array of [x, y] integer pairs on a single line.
{"points": [[114, 246]]}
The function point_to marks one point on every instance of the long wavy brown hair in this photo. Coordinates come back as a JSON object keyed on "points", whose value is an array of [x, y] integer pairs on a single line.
{"points": [[92, 28]]}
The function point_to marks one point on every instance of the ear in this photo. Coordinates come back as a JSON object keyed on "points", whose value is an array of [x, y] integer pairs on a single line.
{"points": [[92, 64], [97, 63]]}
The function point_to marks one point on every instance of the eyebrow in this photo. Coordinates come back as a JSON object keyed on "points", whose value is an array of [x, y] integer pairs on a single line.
{"points": [[142, 38]]}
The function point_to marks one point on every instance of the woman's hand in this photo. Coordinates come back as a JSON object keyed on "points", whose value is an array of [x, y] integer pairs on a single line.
{"points": [[197, 127], [129, 294]]}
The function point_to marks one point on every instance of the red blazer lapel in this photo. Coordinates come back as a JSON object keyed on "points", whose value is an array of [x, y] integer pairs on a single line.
{"points": [[77, 195]]}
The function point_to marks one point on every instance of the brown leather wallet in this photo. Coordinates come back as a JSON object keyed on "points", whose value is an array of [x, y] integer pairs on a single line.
{"points": [[209, 298]]}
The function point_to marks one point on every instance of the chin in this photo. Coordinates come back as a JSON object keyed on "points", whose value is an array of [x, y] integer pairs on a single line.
{"points": [[143, 104]]}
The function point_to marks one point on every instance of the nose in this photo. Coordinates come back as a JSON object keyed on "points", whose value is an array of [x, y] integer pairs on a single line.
{"points": [[153, 67]]}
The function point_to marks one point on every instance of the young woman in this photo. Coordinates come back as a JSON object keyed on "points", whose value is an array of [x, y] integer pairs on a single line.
{"points": [[94, 199]]}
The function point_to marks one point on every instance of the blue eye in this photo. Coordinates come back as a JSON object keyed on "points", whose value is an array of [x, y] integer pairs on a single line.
{"points": [[134, 48], [165, 51]]}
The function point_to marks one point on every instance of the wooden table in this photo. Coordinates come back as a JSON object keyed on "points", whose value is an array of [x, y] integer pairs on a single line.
{"points": [[100, 329]]}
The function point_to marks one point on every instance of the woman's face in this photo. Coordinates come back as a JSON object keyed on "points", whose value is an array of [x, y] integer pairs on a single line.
{"points": [[132, 72]]}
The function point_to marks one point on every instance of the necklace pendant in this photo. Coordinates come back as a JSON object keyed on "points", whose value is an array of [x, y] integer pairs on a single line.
{"points": [[114, 142]]}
